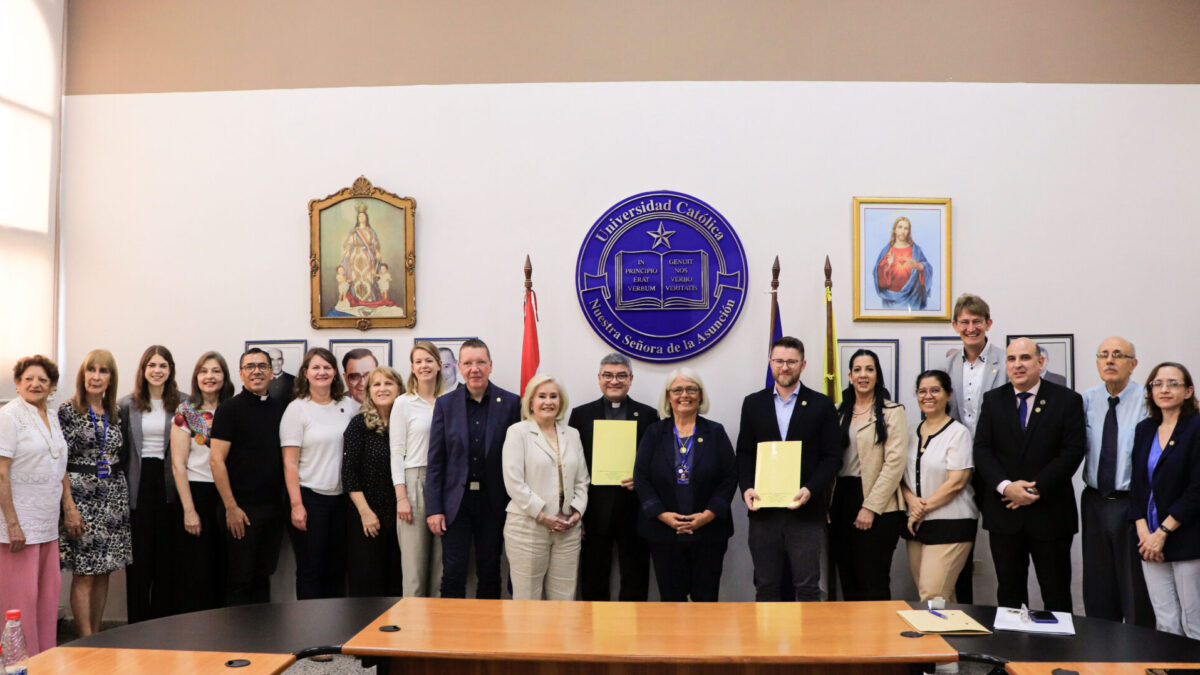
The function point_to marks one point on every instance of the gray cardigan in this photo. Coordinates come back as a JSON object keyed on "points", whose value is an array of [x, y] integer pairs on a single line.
{"points": [[131, 422]]}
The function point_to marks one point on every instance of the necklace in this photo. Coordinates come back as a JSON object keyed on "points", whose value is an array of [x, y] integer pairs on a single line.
{"points": [[864, 411], [44, 431]]}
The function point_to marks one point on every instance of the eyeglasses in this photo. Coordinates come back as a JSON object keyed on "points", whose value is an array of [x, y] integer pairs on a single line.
{"points": [[355, 377], [251, 367], [976, 323], [1115, 356], [782, 363], [690, 391], [1164, 384], [619, 377], [932, 391]]}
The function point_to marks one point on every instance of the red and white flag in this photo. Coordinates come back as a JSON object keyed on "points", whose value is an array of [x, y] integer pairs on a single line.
{"points": [[529, 344]]}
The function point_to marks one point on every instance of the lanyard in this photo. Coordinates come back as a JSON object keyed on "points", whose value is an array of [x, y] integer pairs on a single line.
{"points": [[685, 457], [96, 430]]}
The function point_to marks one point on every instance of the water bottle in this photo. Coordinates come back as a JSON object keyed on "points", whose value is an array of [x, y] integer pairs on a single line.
{"points": [[15, 653]]}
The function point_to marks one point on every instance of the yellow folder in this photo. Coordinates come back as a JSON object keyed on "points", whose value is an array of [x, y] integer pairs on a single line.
{"points": [[614, 447], [952, 622], [777, 473]]}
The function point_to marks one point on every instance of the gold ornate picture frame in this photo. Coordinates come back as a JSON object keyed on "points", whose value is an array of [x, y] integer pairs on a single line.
{"points": [[902, 259], [363, 258]]}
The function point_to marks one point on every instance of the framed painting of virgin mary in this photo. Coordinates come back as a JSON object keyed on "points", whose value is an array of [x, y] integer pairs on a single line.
{"points": [[363, 261], [901, 259]]}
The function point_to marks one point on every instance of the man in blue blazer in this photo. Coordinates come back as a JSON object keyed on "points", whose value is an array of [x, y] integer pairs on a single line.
{"points": [[1029, 442], [464, 484]]}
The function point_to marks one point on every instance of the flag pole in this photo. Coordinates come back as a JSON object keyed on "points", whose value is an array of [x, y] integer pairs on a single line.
{"points": [[530, 355], [831, 388], [774, 304]]}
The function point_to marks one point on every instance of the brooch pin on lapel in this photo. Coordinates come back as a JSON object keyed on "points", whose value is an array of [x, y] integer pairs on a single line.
{"points": [[803, 402], [497, 399]]}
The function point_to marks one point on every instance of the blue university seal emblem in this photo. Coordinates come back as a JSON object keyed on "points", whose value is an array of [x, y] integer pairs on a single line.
{"points": [[661, 276]]}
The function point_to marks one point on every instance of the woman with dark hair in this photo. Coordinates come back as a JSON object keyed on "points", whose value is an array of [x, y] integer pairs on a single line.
{"points": [[311, 434], [201, 554], [942, 515], [150, 587], [408, 434], [866, 516], [95, 447], [685, 475], [33, 467], [1165, 498], [373, 551]]}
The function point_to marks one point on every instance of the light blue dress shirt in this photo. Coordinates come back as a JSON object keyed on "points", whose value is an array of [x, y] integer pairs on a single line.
{"points": [[1131, 409], [783, 409]]}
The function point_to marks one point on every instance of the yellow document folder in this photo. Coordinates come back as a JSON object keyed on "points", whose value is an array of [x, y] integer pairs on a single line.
{"points": [[955, 622], [777, 473], [614, 447]]}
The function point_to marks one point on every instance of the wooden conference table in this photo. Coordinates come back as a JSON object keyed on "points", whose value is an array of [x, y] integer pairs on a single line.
{"points": [[115, 661], [438, 636]]}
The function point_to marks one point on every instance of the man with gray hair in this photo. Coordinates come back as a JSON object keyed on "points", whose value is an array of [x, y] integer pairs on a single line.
{"points": [[1113, 585], [612, 513]]}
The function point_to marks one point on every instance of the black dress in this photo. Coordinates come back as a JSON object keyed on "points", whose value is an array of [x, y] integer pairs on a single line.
{"points": [[372, 563]]}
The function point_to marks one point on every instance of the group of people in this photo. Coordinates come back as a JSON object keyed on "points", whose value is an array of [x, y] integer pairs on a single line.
{"points": [[387, 486]]}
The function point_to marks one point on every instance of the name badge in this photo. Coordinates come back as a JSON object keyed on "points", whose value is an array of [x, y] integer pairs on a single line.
{"points": [[473, 485], [102, 468], [683, 476]]}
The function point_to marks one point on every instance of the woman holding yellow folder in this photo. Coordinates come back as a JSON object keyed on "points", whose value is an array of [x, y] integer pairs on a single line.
{"points": [[685, 476], [866, 516]]}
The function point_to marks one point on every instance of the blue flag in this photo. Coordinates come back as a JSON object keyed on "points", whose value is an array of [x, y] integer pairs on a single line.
{"points": [[776, 333]]}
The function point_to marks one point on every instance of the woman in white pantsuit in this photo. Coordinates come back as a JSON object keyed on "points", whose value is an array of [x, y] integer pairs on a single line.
{"points": [[547, 478]]}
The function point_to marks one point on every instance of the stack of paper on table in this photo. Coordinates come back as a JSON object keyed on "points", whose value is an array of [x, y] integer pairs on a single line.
{"points": [[956, 622], [777, 473], [1008, 618]]}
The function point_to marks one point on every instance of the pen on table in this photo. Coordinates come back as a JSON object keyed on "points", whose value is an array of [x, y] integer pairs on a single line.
{"points": [[937, 614]]}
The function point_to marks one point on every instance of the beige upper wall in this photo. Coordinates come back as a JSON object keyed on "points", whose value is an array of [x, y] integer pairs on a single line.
{"points": [[132, 46]]}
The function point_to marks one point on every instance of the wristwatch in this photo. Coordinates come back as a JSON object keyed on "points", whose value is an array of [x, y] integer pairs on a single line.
{"points": [[1164, 528]]}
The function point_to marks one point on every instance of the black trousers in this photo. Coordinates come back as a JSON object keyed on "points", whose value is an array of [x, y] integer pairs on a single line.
{"points": [[863, 557], [373, 563], [633, 563], [688, 570], [151, 586], [1113, 585], [201, 558], [321, 547], [776, 537], [479, 524], [1051, 561], [251, 560]]}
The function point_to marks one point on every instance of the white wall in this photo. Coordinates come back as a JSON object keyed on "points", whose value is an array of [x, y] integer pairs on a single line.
{"points": [[185, 215]]}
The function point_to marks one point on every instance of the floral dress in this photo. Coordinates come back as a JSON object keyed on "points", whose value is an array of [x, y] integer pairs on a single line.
{"points": [[103, 502]]}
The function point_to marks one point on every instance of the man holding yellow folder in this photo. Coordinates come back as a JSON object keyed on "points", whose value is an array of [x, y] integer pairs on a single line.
{"points": [[789, 411], [610, 428]]}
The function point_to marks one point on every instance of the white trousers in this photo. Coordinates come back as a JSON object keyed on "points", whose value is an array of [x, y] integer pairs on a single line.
{"points": [[542, 564], [420, 549], [1175, 594]]}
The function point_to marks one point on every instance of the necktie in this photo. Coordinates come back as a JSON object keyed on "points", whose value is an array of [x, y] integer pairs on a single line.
{"points": [[1106, 475], [1023, 408]]}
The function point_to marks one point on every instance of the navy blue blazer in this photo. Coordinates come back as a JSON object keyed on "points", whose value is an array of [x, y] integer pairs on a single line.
{"points": [[446, 475], [1176, 483], [713, 481]]}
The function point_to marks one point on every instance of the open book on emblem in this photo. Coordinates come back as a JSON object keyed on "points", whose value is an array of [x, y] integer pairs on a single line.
{"points": [[662, 280]]}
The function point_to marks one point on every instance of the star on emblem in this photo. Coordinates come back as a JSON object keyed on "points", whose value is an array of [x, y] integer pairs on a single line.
{"points": [[661, 236]]}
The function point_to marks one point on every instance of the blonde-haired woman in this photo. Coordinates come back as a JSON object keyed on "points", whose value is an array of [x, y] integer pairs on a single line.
{"points": [[546, 476], [412, 414], [372, 550], [94, 448]]}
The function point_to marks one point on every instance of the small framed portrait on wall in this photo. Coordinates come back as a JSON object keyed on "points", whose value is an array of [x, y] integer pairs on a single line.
{"points": [[286, 356], [901, 259], [937, 350], [1057, 351]]}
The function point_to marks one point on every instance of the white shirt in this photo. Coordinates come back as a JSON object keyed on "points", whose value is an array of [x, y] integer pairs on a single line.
{"points": [[408, 434], [972, 378], [317, 430], [39, 462], [154, 443], [946, 450]]}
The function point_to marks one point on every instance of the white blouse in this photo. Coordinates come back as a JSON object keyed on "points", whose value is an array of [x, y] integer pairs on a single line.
{"points": [[154, 443], [947, 450], [39, 462], [408, 434], [317, 430]]}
